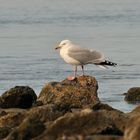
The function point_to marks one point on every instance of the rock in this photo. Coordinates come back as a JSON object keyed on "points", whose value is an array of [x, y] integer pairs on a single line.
{"points": [[134, 112], [103, 137], [2, 112], [66, 110], [79, 93], [133, 95], [98, 106], [29, 128], [4, 131], [18, 97], [81, 137], [95, 137], [86, 123], [10, 119], [101, 106], [47, 122], [35, 122], [120, 119], [45, 113], [132, 131], [38, 103]]}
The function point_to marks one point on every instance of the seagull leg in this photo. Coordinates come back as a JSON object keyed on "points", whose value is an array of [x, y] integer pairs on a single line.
{"points": [[82, 66], [75, 71], [70, 78]]}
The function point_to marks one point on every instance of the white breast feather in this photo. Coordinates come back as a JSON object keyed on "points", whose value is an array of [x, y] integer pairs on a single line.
{"points": [[67, 59]]}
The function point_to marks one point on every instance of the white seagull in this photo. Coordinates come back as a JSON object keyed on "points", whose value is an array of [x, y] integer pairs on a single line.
{"points": [[77, 56]]}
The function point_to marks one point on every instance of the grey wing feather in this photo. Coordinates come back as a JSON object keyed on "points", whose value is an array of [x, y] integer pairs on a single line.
{"points": [[85, 56]]}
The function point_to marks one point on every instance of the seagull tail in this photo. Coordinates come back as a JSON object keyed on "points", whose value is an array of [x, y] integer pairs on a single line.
{"points": [[107, 63]]}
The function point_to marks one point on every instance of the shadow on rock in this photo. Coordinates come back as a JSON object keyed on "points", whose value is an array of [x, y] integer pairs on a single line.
{"points": [[18, 97]]}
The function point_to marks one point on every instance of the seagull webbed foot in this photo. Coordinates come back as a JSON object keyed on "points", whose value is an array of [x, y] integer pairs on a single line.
{"points": [[71, 78]]}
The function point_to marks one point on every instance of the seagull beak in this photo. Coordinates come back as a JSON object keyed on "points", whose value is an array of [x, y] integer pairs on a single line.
{"points": [[58, 47]]}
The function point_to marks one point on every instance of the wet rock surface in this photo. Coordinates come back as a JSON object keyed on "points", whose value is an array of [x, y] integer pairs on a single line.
{"points": [[18, 97], [68, 110], [133, 95]]}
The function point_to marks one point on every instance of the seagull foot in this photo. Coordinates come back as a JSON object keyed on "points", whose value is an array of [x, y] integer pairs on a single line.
{"points": [[71, 78]]}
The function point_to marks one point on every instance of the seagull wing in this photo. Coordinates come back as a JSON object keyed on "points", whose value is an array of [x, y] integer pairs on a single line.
{"points": [[86, 56]]}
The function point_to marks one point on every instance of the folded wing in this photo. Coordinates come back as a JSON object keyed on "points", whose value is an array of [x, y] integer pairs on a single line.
{"points": [[85, 56]]}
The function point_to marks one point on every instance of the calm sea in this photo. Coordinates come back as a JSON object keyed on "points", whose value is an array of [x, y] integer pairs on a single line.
{"points": [[29, 31]]}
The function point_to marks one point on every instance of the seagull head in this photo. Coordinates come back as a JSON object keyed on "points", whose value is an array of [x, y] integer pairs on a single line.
{"points": [[63, 43]]}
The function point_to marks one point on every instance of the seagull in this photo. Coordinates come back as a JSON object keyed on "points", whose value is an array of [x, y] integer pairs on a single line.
{"points": [[77, 56]]}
